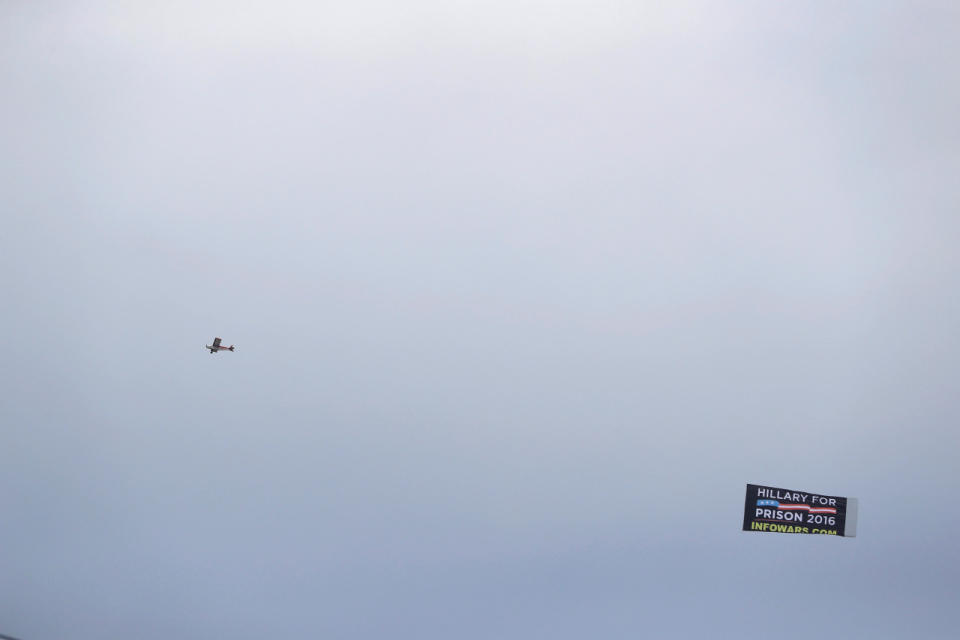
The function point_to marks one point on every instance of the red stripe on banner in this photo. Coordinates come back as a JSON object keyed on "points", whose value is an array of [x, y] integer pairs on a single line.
{"points": [[806, 507]]}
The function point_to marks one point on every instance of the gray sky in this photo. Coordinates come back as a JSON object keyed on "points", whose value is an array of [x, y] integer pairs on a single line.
{"points": [[523, 293]]}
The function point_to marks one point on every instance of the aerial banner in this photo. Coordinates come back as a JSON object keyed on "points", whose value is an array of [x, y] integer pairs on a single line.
{"points": [[776, 510]]}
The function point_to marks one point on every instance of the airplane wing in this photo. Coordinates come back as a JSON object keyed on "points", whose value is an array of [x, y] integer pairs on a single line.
{"points": [[216, 342]]}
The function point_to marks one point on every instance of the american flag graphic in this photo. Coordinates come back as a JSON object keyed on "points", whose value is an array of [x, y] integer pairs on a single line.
{"points": [[795, 507]]}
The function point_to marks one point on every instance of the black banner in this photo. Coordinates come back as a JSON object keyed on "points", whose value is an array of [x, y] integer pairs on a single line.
{"points": [[776, 510]]}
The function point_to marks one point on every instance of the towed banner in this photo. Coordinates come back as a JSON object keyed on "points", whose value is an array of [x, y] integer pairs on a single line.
{"points": [[785, 511]]}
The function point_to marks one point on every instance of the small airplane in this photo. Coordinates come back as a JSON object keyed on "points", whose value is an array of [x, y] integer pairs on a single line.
{"points": [[216, 347]]}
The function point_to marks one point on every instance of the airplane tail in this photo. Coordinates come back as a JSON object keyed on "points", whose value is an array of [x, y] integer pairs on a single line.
{"points": [[230, 347]]}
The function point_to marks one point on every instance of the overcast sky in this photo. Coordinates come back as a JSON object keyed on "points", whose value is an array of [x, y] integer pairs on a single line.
{"points": [[523, 294]]}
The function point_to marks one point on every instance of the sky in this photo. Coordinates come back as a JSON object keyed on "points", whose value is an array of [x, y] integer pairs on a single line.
{"points": [[523, 295]]}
